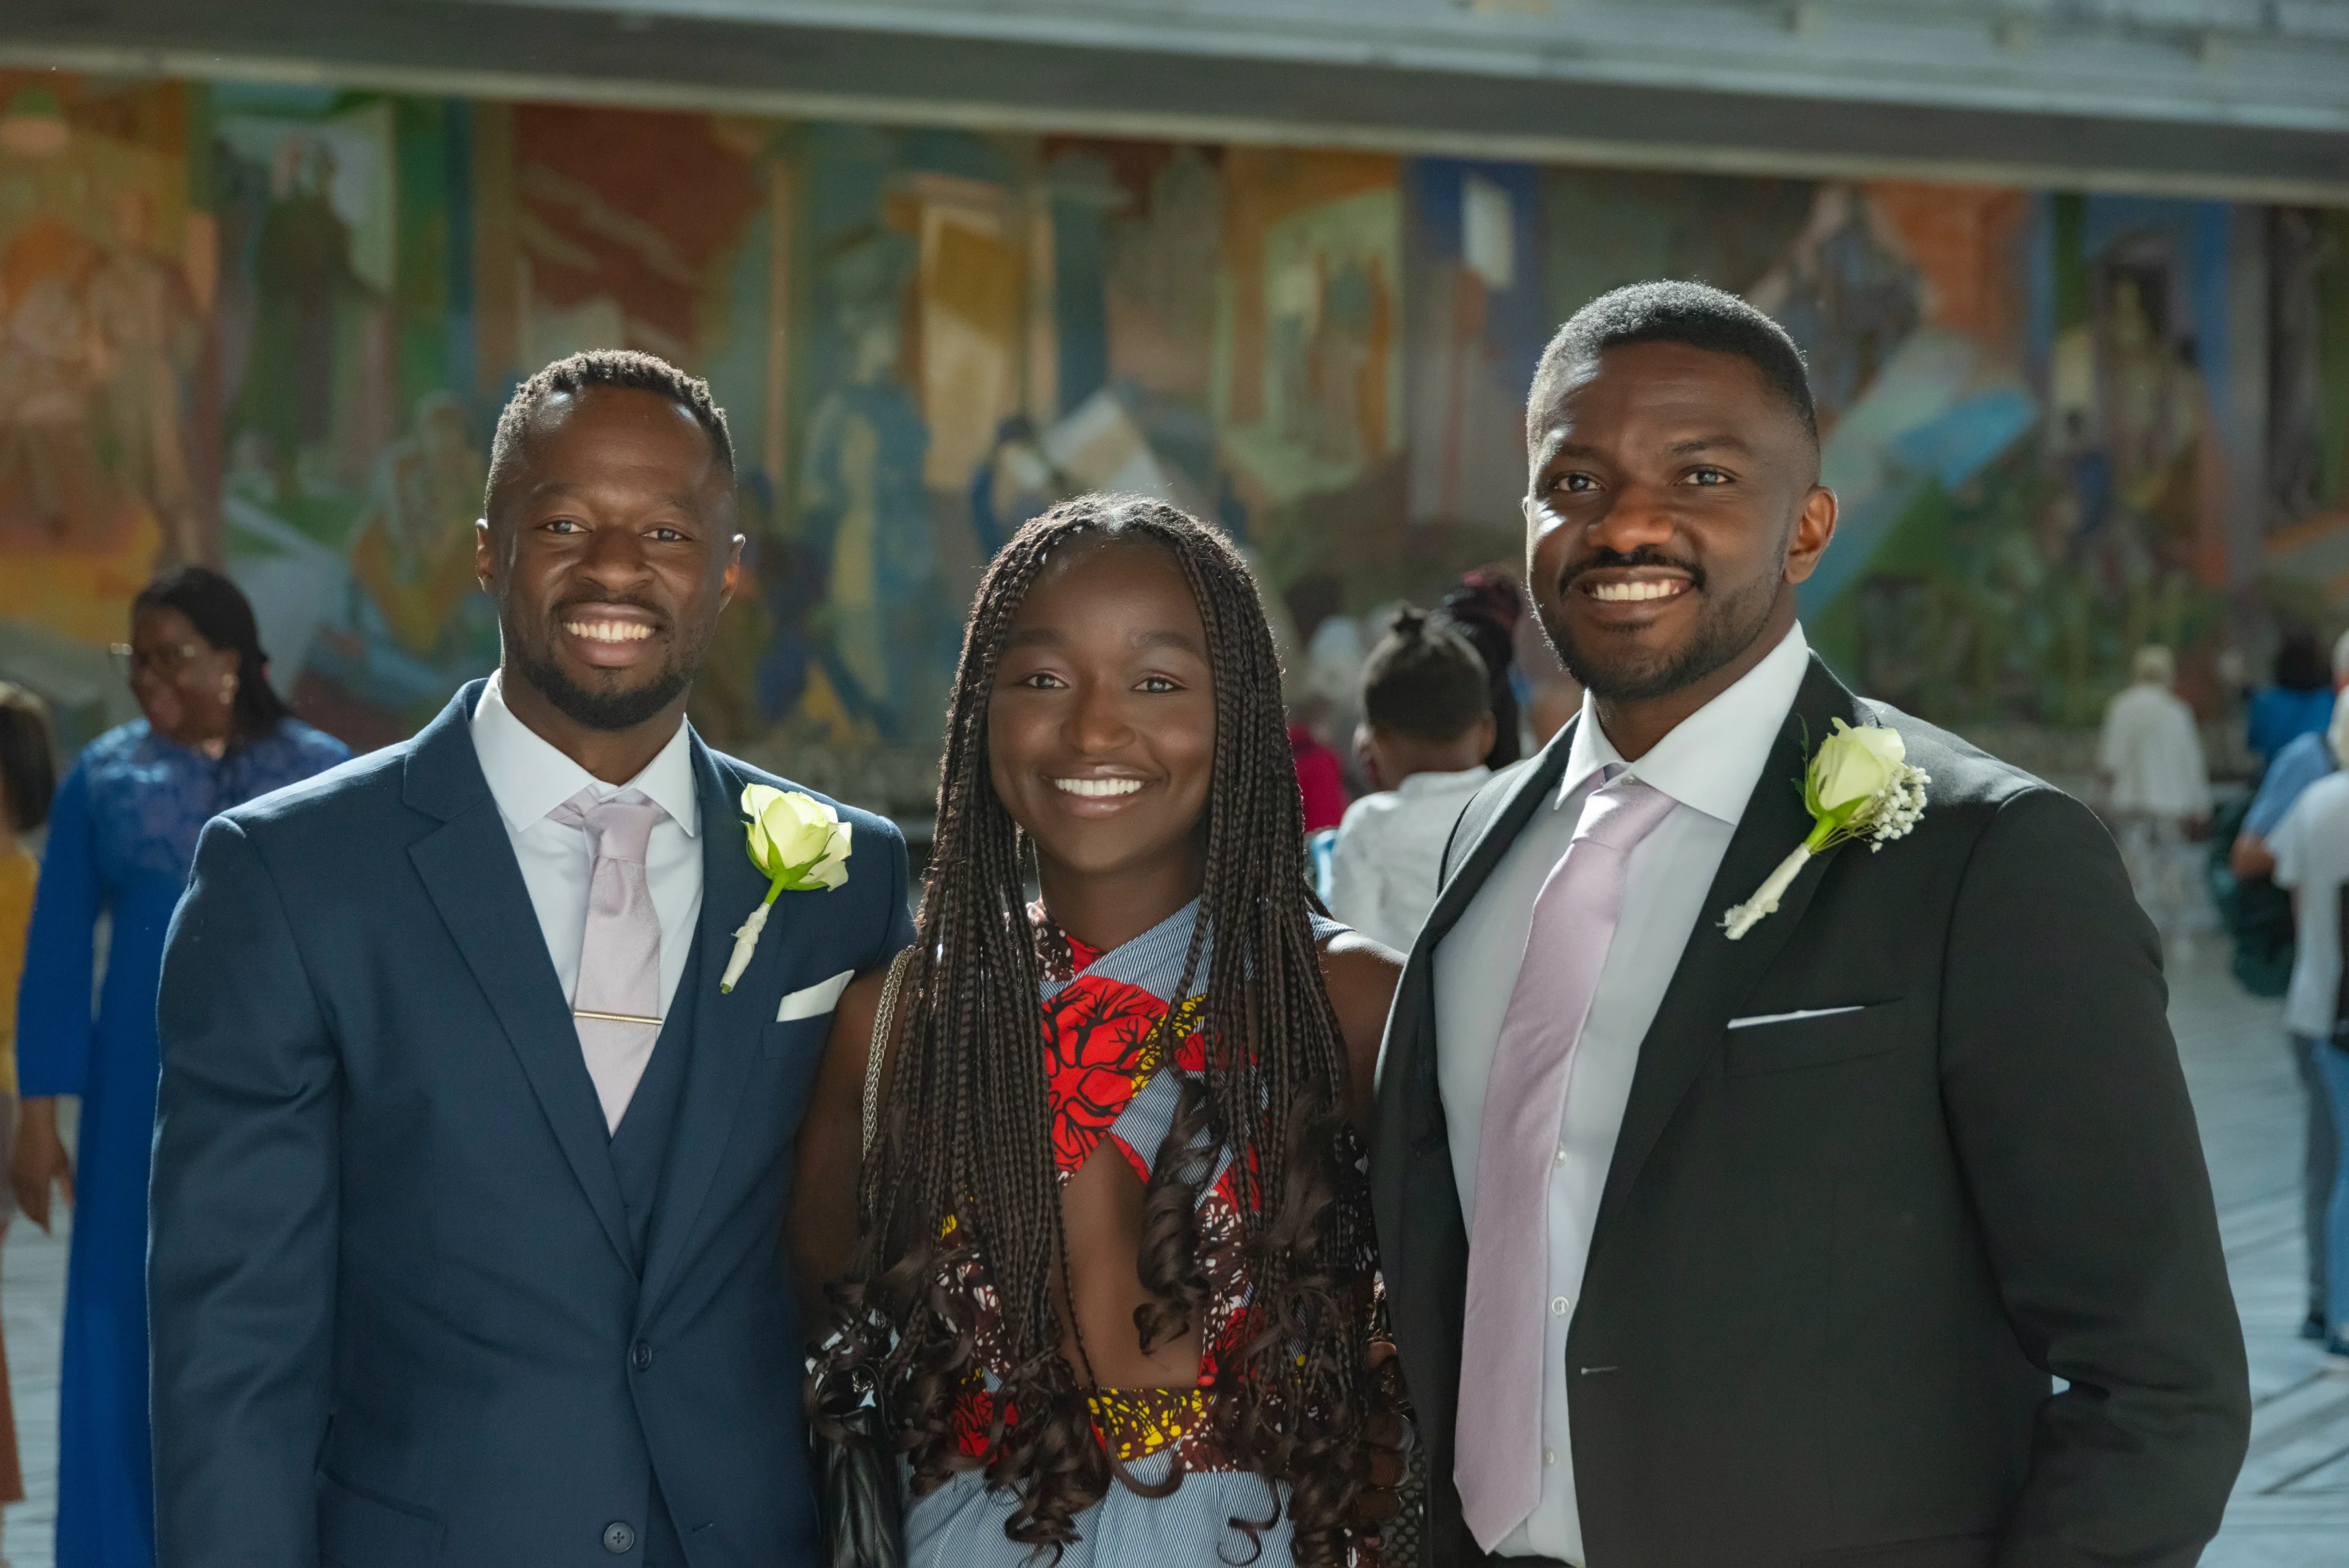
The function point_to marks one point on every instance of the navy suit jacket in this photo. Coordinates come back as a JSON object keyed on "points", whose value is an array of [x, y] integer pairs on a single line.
{"points": [[397, 1314]]}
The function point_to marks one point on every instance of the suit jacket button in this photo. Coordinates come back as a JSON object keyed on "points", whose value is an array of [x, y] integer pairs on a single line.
{"points": [[619, 1537], [641, 1358]]}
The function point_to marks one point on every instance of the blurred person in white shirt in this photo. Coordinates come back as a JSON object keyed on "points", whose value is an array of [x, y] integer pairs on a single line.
{"points": [[2311, 858], [2158, 792], [1427, 724]]}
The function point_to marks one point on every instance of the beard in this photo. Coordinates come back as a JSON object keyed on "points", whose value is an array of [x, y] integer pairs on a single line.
{"points": [[1613, 668], [532, 659]]}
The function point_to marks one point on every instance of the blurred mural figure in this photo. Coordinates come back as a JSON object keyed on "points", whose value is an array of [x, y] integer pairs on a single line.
{"points": [[2299, 701], [307, 300], [1846, 293], [2149, 756], [861, 502], [148, 336], [54, 490], [413, 555], [122, 836], [406, 624]]}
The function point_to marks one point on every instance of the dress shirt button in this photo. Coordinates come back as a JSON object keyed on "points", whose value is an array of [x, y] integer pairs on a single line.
{"points": [[619, 1538], [640, 1356], [1559, 1305], [1560, 1159], [1549, 1456]]}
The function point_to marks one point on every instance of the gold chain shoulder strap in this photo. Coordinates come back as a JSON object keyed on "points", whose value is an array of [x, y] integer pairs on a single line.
{"points": [[877, 1054]]}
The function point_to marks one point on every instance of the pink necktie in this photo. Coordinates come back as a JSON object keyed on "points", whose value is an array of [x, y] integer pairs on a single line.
{"points": [[1498, 1466], [616, 1007]]}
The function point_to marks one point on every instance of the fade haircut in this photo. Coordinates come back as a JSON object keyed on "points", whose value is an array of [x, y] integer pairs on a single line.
{"points": [[1695, 314], [622, 367], [1424, 680]]}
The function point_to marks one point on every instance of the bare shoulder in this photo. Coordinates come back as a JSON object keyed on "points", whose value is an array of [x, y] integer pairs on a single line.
{"points": [[1361, 976], [848, 1049]]}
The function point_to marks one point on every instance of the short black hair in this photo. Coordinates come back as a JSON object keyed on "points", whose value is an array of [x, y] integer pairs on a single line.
{"points": [[1424, 680], [1695, 314], [222, 616], [28, 761], [2301, 664], [622, 368]]}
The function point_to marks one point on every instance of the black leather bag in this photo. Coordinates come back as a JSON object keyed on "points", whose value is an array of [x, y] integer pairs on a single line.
{"points": [[856, 1473]]}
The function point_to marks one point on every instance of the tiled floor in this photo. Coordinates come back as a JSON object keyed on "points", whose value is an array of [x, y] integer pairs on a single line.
{"points": [[2291, 1509], [32, 1308]]}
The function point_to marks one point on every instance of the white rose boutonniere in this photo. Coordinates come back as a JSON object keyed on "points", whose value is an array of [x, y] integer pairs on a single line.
{"points": [[801, 845], [1859, 786]]}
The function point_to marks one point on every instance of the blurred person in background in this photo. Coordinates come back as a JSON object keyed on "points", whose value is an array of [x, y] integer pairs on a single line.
{"points": [[2158, 789], [2299, 703], [1321, 772], [122, 836], [1427, 727], [2311, 859], [2260, 909], [28, 780], [1485, 609], [2296, 765]]}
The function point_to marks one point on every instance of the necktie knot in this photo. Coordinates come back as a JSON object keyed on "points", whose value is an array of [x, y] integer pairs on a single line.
{"points": [[619, 828], [1622, 812]]}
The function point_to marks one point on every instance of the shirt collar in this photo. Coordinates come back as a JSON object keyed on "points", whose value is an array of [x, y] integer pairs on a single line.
{"points": [[1713, 759], [529, 777], [1429, 783]]}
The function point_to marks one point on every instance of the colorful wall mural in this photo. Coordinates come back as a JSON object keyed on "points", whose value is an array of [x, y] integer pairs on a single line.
{"points": [[272, 326]]}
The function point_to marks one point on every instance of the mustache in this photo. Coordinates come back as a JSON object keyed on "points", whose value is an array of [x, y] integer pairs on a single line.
{"points": [[1604, 559]]}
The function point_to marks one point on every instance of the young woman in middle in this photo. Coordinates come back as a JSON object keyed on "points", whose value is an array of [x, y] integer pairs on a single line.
{"points": [[1109, 1256]]}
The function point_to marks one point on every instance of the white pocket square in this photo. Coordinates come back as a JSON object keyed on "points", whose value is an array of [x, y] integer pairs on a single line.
{"points": [[1763, 1018], [816, 999]]}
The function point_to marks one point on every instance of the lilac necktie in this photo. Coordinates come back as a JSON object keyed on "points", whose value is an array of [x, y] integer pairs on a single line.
{"points": [[616, 1007], [1498, 1465]]}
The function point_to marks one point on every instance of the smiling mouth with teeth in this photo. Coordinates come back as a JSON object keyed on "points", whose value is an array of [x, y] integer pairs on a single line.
{"points": [[1624, 593], [1091, 787], [608, 631]]}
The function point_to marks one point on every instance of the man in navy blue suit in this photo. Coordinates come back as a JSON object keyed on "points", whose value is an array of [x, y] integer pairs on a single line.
{"points": [[469, 1175]]}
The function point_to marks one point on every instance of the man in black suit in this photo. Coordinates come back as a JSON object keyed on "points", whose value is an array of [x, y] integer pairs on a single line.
{"points": [[1833, 1204]]}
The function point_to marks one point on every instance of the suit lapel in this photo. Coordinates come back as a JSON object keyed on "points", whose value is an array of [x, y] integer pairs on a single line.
{"points": [[469, 869], [1715, 974], [725, 1027], [1414, 1195], [1540, 783]]}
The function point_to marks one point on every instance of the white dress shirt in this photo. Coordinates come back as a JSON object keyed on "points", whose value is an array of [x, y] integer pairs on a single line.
{"points": [[529, 778], [1389, 854], [1709, 765]]}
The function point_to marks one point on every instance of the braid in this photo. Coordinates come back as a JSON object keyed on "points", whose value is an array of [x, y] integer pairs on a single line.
{"points": [[964, 1167]]}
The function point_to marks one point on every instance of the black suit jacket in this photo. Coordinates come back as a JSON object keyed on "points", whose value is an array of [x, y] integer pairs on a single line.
{"points": [[400, 1316], [1837, 1261]]}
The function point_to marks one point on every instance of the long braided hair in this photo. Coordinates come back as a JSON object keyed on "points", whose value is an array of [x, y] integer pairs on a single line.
{"points": [[964, 1170]]}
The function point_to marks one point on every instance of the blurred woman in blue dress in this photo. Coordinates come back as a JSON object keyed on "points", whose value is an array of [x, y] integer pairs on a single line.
{"points": [[122, 833]]}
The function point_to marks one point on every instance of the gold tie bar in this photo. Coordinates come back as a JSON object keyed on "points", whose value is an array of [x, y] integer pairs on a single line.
{"points": [[613, 1017]]}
